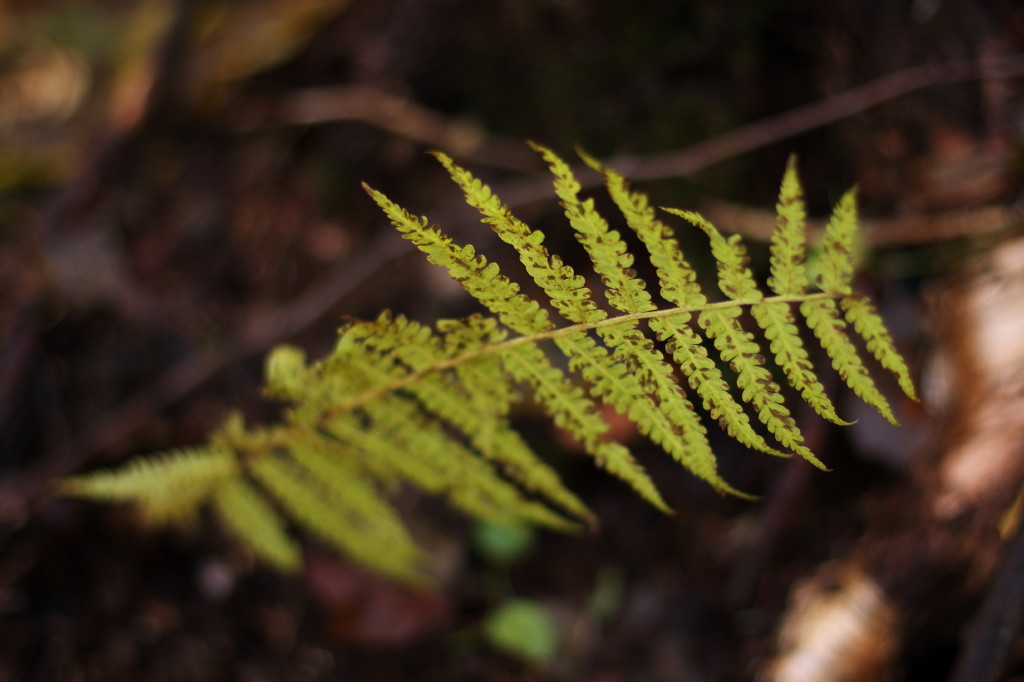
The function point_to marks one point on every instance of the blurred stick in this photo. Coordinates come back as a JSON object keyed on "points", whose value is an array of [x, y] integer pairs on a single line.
{"points": [[404, 118], [998, 624], [776, 128], [910, 229]]}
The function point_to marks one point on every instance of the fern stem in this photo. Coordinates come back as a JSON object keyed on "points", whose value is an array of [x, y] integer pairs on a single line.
{"points": [[413, 377]]}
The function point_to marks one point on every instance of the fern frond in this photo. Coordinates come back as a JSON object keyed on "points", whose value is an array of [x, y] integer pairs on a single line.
{"points": [[246, 513], [401, 404], [484, 281], [484, 377], [379, 542], [572, 410], [737, 346], [383, 346], [286, 372], [647, 391], [835, 277], [674, 427], [611, 259], [703, 375], [447, 396], [777, 321], [166, 489], [788, 277], [481, 279], [823, 319], [838, 253], [734, 276], [570, 296], [414, 448], [679, 286], [566, 291], [788, 242], [868, 323], [392, 426]]}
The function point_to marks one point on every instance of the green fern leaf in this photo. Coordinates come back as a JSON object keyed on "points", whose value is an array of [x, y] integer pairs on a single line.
{"points": [[643, 387], [706, 379], [481, 279], [838, 254], [416, 448], [737, 346], [611, 259], [447, 397], [734, 276], [443, 466], [244, 512], [788, 243], [679, 286], [572, 410], [401, 404], [484, 377], [377, 542], [866, 320], [823, 319], [570, 296], [287, 373], [565, 289], [386, 459], [502, 297], [776, 319], [375, 354], [166, 489]]}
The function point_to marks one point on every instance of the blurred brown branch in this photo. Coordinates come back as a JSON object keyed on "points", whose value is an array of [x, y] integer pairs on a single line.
{"points": [[774, 129], [899, 230], [403, 117]]}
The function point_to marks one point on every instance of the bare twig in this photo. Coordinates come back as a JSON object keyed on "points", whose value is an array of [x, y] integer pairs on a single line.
{"points": [[400, 116], [770, 130], [404, 118], [898, 230], [998, 623]]}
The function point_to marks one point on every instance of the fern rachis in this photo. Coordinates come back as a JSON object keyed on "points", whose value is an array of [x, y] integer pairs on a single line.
{"points": [[402, 403]]}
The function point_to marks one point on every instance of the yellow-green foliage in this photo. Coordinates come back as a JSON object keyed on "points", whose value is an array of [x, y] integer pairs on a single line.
{"points": [[398, 403]]}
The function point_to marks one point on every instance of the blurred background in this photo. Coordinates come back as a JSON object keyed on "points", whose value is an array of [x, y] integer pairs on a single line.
{"points": [[180, 191]]}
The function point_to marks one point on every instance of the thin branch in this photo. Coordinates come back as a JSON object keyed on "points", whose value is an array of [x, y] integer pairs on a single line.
{"points": [[402, 117], [770, 130], [999, 621], [911, 229]]}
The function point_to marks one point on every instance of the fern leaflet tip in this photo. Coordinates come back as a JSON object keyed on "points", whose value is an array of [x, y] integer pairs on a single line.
{"points": [[788, 241], [839, 254], [868, 323], [254, 522]]}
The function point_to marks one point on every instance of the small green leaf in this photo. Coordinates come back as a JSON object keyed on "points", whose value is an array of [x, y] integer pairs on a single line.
{"points": [[606, 599], [523, 629], [286, 372], [502, 543]]}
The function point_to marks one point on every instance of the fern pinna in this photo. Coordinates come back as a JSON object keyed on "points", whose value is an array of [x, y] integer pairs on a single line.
{"points": [[401, 403]]}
